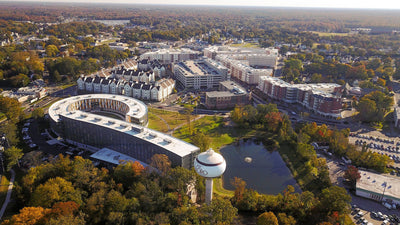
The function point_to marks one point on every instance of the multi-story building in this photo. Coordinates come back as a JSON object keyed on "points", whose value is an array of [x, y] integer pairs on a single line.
{"points": [[322, 98], [200, 74], [73, 120], [229, 95], [168, 56], [155, 91], [245, 64]]}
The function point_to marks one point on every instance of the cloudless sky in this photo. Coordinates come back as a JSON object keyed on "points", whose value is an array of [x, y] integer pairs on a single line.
{"points": [[370, 4]]}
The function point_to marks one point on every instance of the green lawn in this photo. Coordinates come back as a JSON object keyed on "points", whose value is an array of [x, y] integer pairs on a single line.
{"points": [[67, 85], [246, 45], [173, 119], [218, 188], [214, 127], [325, 34], [156, 123]]}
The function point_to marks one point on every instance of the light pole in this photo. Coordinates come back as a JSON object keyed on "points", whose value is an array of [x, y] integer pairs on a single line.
{"points": [[384, 189]]}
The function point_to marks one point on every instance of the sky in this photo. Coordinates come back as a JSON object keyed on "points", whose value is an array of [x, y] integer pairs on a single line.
{"points": [[369, 4]]}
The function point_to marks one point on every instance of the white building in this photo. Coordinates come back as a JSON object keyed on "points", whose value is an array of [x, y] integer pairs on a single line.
{"points": [[379, 187], [167, 56], [200, 74], [245, 64], [155, 91]]}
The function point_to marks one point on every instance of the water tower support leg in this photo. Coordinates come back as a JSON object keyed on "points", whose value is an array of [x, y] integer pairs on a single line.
{"points": [[209, 190]]}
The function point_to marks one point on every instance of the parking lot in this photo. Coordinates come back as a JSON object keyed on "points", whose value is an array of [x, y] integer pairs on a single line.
{"points": [[39, 140], [361, 216], [383, 146], [367, 206]]}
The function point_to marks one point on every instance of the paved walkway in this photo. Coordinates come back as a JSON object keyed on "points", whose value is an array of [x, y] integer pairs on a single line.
{"points": [[171, 132], [8, 197]]}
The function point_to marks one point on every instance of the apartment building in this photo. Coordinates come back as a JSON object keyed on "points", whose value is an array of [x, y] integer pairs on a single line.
{"points": [[322, 98]]}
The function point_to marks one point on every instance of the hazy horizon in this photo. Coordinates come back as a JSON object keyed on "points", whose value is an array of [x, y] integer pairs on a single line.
{"points": [[339, 4]]}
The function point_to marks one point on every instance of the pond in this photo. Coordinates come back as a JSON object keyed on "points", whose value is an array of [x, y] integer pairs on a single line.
{"points": [[263, 170]]}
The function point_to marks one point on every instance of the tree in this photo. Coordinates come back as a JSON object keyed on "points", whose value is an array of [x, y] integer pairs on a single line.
{"points": [[13, 155], [352, 174], [9, 129], [335, 198], [64, 208], [367, 109], [38, 113], [56, 76], [267, 218], [274, 120], [374, 106], [161, 163], [28, 216], [11, 108], [20, 80], [220, 211], [240, 187], [51, 50], [316, 78], [55, 190], [67, 220], [128, 172], [201, 140], [32, 159], [188, 112], [285, 219]]}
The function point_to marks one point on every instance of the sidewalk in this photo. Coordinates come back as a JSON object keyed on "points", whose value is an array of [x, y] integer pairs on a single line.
{"points": [[8, 197]]}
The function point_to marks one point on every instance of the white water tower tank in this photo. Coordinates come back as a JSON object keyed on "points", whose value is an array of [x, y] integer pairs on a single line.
{"points": [[209, 164]]}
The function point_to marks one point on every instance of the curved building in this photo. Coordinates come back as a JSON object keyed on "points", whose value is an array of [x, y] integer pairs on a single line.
{"points": [[79, 121]]}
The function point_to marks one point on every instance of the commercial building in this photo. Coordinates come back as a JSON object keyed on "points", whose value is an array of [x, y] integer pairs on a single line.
{"points": [[229, 95], [322, 98], [379, 187], [200, 74], [75, 120]]}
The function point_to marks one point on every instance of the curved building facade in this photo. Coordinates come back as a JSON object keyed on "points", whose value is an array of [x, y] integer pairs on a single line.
{"points": [[73, 119]]}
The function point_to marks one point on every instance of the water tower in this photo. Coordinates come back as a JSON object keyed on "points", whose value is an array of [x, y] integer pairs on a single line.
{"points": [[209, 164]]}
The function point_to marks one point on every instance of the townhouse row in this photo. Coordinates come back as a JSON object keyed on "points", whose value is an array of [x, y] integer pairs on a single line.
{"points": [[158, 91]]}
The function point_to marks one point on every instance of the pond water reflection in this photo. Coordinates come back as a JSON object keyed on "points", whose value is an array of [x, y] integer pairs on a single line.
{"points": [[263, 171]]}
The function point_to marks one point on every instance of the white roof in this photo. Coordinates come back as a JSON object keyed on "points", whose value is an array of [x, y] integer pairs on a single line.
{"points": [[137, 109], [378, 183], [116, 158], [165, 141]]}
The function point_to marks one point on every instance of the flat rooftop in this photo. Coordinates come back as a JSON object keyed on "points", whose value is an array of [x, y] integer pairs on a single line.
{"points": [[137, 109], [378, 183], [165, 141], [197, 68], [116, 158]]}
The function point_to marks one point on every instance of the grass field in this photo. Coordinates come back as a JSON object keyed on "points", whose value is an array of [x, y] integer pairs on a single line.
{"points": [[216, 129], [219, 188], [246, 45], [325, 34], [172, 118]]}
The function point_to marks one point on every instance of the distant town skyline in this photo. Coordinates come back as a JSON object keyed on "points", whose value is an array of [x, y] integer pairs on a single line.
{"points": [[366, 4]]}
